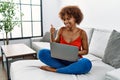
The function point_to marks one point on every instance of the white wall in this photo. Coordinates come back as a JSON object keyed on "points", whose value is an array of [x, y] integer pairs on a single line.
{"points": [[103, 14], [50, 14]]}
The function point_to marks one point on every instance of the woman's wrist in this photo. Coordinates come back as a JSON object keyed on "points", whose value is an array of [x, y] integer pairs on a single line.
{"points": [[79, 53], [52, 37], [83, 52]]}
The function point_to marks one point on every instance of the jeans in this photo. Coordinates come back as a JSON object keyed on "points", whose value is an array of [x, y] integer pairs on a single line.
{"points": [[82, 66]]}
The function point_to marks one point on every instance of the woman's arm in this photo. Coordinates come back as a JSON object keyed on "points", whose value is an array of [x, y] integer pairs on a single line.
{"points": [[85, 48], [52, 32]]}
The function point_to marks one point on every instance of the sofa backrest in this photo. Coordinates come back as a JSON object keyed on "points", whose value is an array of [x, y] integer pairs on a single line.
{"points": [[89, 32], [46, 36], [98, 42]]}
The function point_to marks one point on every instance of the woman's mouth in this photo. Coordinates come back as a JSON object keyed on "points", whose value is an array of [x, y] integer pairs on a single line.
{"points": [[67, 25]]}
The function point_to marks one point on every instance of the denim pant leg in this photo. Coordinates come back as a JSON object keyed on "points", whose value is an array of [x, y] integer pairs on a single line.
{"points": [[82, 66], [45, 56]]}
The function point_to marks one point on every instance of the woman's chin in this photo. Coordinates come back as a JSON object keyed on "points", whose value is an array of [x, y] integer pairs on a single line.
{"points": [[69, 28]]}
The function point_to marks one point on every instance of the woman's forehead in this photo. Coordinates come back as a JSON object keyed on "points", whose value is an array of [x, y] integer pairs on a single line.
{"points": [[67, 15]]}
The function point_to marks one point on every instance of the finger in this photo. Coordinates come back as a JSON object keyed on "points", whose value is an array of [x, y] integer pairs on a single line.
{"points": [[52, 26]]}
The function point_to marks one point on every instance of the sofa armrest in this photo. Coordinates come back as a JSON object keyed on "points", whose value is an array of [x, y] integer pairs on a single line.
{"points": [[113, 75], [37, 39]]}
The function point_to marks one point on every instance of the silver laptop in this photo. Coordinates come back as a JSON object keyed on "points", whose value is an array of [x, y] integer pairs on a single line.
{"points": [[64, 52]]}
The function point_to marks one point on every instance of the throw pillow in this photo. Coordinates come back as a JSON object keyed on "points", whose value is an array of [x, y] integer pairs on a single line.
{"points": [[46, 37], [112, 51]]}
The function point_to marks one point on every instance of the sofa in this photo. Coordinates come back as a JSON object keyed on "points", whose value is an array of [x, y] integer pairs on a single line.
{"points": [[99, 42]]}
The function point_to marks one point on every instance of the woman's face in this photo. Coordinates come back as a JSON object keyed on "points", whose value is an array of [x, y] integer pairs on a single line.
{"points": [[69, 21]]}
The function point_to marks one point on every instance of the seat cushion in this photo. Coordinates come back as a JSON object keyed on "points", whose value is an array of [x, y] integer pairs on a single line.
{"points": [[113, 75], [92, 57], [40, 45], [29, 70], [97, 72]]}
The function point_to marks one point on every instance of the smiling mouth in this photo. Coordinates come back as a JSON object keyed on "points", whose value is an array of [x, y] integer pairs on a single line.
{"points": [[67, 25]]}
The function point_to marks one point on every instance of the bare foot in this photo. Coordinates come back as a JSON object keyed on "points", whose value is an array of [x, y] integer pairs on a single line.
{"points": [[47, 68]]}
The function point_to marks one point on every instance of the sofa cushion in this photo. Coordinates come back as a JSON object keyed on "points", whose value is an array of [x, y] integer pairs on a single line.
{"points": [[89, 32], [113, 75], [40, 45], [112, 51], [46, 37], [92, 57], [97, 72], [98, 42], [29, 70]]}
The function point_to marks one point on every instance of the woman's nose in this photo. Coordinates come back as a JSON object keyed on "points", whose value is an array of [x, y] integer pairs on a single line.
{"points": [[66, 21]]}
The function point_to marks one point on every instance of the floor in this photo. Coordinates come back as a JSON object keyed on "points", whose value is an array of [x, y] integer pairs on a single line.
{"points": [[3, 75]]}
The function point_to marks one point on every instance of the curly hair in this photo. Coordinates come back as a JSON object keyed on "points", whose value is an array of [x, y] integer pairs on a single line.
{"points": [[71, 11]]}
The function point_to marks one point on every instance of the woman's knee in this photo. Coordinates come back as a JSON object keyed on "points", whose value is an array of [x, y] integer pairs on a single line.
{"points": [[87, 65], [81, 67], [43, 52], [88, 62]]}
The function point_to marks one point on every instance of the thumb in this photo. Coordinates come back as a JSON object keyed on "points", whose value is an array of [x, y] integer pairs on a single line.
{"points": [[52, 26]]}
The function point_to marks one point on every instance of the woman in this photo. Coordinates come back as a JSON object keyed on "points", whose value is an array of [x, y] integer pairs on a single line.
{"points": [[72, 35]]}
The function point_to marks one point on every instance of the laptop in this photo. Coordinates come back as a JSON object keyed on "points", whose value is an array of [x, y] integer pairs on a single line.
{"points": [[64, 52]]}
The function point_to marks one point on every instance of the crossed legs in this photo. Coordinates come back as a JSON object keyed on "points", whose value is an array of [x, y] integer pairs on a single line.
{"points": [[82, 66]]}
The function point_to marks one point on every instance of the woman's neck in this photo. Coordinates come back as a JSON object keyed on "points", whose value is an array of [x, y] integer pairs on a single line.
{"points": [[72, 29]]}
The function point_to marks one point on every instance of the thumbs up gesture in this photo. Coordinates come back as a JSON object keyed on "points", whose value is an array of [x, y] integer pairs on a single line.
{"points": [[52, 29]]}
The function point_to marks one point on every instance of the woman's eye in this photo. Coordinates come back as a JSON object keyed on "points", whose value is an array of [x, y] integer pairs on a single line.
{"points": [[63, 19], [68, 18]]}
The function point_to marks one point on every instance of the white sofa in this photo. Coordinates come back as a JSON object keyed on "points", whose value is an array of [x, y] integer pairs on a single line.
{"points": [[98, 38]]}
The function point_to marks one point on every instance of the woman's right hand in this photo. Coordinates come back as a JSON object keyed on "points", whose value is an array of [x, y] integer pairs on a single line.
{"points": [[52, 32], [52, 29]]}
